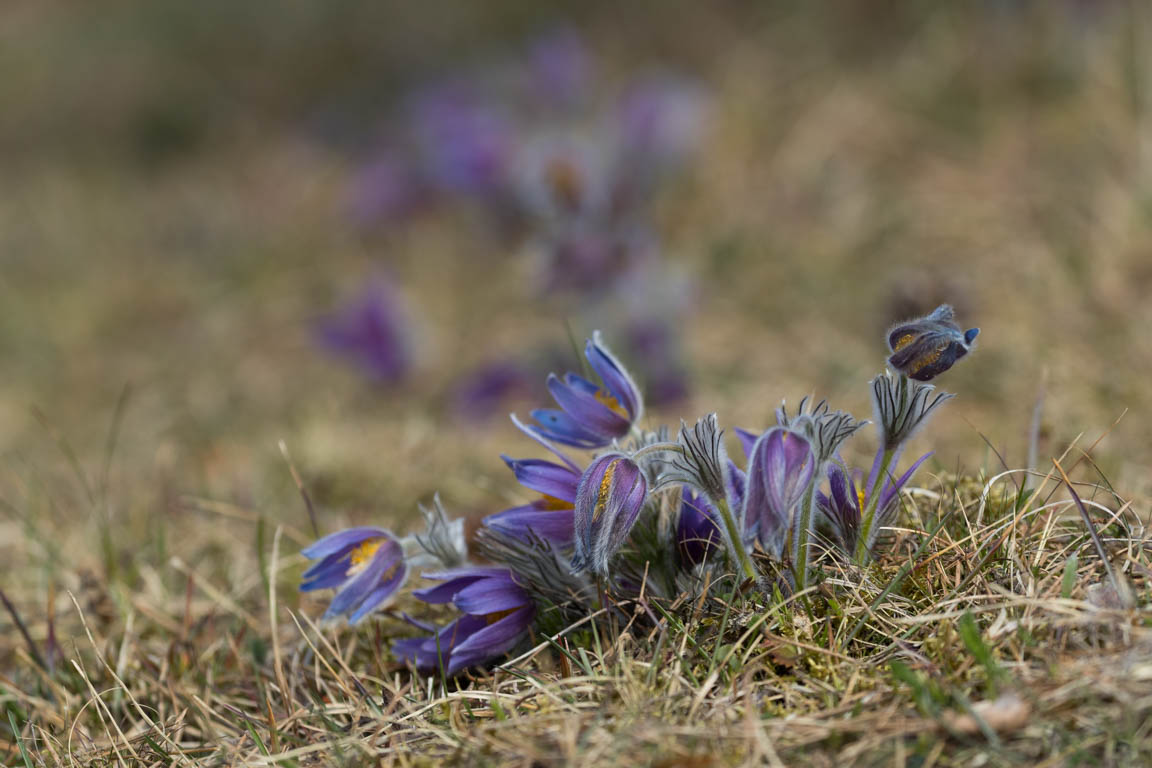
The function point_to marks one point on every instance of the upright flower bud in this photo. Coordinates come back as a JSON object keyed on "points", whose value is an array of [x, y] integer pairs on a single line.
{"points": [[608, 501]]}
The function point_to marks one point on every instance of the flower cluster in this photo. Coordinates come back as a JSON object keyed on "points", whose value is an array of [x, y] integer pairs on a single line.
{"points": [[620, 509], [561, 164]]}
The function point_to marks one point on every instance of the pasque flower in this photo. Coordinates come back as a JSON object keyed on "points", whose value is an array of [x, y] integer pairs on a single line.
{"points": [[551, 517], [365, 565], [923, 349], [372, 332], [591, 416], [844, 506], [611, 494], [697, 531], [497, 613], [781, 467]]}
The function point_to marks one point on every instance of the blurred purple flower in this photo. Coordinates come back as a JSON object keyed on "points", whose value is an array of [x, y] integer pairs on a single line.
{"points": [[497, 613], [464, 140], [550, 517], [485, 390], [652, 345], [386, 190], [780, 469], [365, 565], [371, 332], [559, 63], [611, 494], [591, 416]]}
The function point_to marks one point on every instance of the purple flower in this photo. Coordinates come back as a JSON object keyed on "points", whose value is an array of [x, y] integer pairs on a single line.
{"points": [[697, 531], [497, 613], [609, 499], [844, 506], [551, 517], [591, 416], [365, 565], [781, 467], [372, 332], [923, 349], [483, 391], [464, 141], [387, 190], [591, 259], [559, 64]]}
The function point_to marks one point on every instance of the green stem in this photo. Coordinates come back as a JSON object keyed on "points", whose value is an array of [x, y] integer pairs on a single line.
{"points": [[735, 539], [803, 531], [869, 515]]}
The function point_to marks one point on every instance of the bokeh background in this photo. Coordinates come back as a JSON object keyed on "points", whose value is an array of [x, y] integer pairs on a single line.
{"points": [[179, 216]]}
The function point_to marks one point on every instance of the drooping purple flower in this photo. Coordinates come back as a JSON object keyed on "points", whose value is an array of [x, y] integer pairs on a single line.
{"points": [[497, 613], [372, 332], [697, 530], [924, 348], [591, 416], [365, 565], [781, 467], [552, 516], [611, 494], [845, 504]]}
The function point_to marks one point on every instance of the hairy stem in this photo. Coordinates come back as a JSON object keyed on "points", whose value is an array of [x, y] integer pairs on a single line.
{"points": [[803, 533], [735, 539]]}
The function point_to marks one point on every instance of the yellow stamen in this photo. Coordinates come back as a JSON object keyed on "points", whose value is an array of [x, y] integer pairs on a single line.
{"points": [[605, 486], [903, 341], [360, 556], [929, 360], [551, 503], [492, 618], [860, 499], [604, 397]]}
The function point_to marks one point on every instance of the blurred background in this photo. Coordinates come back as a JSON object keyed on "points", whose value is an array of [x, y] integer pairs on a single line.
{"points": [[369, 230]]}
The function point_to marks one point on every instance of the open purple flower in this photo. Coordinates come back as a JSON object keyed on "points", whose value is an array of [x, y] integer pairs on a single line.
{"points": [[365, 565], [591, 416], [550, 517], [781, 467], [372, 332], [497, 613], [844, 506], [609, 499]]}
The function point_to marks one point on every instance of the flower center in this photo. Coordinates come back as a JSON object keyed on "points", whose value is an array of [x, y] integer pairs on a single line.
{"points": [[903, 341], [860, 499], [605, 486], [564, 180], [364, 552], [492, 618], [551, 503], [605, 398]]}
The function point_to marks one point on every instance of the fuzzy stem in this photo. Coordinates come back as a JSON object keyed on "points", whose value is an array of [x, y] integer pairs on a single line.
{"points": [[735, 539], [803, 532], [868, 518]]}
